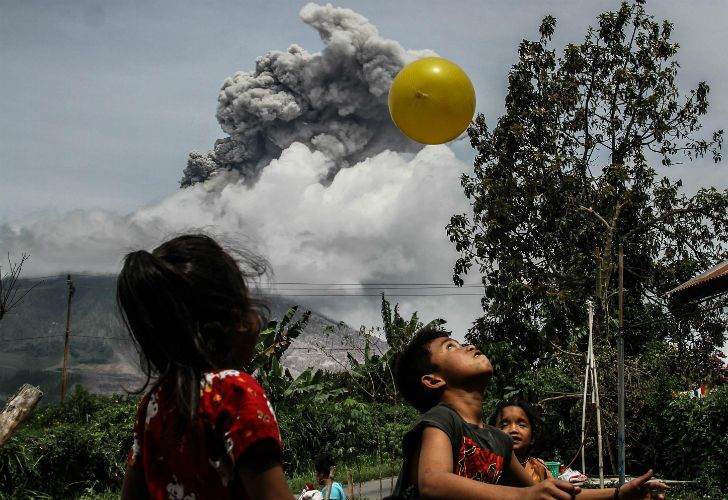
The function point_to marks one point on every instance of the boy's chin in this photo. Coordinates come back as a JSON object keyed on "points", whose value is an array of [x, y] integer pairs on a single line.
{"points": [[482, 380], [485, 377]]}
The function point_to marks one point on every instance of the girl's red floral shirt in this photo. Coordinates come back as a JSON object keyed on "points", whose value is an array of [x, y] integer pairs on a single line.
{"points": [[234, 413]]}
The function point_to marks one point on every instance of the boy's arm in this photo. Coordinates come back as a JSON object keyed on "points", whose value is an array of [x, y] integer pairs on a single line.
{"points": [[640, 488], [435, 479]]}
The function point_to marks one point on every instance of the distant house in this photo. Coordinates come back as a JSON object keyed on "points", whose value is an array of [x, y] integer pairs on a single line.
{"points": [[710, 283]]}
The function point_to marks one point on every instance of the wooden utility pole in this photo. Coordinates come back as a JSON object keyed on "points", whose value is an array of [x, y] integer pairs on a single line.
{"points": [[64, 373], [349, 484], [17, 409]]}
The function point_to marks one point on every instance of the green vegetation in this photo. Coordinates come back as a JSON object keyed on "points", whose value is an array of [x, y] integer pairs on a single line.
{"points": [[575, 169], [64, 450], [78, 449]]}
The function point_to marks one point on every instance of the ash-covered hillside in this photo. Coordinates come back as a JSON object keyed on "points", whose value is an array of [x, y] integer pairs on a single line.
{"points": [[101, 356]]}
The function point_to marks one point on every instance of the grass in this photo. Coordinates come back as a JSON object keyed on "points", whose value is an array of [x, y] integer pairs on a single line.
{"points": [[368, 470], [367, 473]]}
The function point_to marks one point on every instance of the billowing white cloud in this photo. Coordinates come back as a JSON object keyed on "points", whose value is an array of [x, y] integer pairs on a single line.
{"points": [[381, 220], [384, 215]]}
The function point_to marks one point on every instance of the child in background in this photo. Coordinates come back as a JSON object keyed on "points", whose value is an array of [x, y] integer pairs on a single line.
{"points": [[324, 463], [205, 429], [518, 419], [310, 493], [450, 453]]}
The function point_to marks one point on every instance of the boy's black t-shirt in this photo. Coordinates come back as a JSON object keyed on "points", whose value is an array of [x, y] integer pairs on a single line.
{"points": [[479, 453]]}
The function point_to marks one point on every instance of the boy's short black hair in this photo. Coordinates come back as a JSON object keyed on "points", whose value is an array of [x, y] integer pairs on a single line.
{"points": [[533, 414], [324, 462], [415, 361]]}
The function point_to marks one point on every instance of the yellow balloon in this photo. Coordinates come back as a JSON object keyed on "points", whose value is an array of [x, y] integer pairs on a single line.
{"points": [[432, 100]]}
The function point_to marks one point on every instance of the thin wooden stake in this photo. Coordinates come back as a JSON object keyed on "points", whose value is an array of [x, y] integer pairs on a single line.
{"points": [[349, 484], [620, 372], [587, 375], [330, 482]]}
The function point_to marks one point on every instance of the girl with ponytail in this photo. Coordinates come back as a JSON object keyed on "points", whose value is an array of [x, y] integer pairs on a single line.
{"points": [[205, 428]]}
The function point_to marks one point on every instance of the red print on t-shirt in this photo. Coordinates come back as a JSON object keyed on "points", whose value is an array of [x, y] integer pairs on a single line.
{"points": [[476, 462]]}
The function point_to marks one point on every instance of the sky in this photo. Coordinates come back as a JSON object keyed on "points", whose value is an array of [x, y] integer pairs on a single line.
{"points": [[101, 104]]}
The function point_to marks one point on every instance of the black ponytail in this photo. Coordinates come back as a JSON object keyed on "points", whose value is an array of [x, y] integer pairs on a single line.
{"points": [[181, 303]]}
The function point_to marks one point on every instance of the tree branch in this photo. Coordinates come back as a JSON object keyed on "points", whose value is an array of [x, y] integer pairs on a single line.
{"points": [[592, 211], [679, 211]]}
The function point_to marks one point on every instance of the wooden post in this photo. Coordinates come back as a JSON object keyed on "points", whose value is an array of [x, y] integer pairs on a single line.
{"points": [[379, 458], [17, 409], [592, 375], [620, 371], [64, 373], [330, 482], [599, 421], [349, 484], [587, 375]]}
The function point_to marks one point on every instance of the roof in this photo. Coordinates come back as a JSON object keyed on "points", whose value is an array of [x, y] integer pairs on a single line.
{"points": [[711, 282]]}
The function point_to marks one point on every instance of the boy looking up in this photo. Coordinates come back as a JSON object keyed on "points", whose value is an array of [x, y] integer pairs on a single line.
{"points": [[450, 452]]}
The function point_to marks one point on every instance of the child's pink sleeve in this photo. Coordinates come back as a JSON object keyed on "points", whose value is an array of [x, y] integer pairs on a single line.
{"points": [[244, 416]]}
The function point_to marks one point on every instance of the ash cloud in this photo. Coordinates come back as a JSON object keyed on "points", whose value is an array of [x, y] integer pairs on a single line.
{"points": [[312, 176], [333, 101]]}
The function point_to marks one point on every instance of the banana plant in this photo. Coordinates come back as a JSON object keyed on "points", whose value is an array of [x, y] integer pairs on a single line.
{"points": [[275, 338], [312, 386]]}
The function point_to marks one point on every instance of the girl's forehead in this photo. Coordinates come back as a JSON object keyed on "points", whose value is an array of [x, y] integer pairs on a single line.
{"points": [[513, 412]]}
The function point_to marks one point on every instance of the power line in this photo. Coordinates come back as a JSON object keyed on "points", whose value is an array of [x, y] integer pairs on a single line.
{"points": [[62, 276], [368, 284], [383, 287], [295, 283], [378, 295], [343, 294], [61, 336]]}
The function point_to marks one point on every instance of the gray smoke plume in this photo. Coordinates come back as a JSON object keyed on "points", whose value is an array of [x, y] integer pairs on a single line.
{"points": [[334, 101]]}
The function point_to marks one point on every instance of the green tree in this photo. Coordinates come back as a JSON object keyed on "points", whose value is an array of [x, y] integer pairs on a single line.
{"points": [[575, 168]]}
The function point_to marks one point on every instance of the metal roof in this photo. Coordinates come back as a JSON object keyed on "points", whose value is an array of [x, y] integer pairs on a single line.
{"points": [[711, 282]]}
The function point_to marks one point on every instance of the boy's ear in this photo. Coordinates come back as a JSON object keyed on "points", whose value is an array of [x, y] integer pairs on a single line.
{"points": [[432, 381]]}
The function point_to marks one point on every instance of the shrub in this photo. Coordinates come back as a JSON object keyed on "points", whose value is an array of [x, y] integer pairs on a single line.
{"points": [[66, 449], [696, 439]]}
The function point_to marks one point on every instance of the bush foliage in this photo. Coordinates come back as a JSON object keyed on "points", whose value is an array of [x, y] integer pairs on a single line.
{"points": [[78, 449], [65, 449]]}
